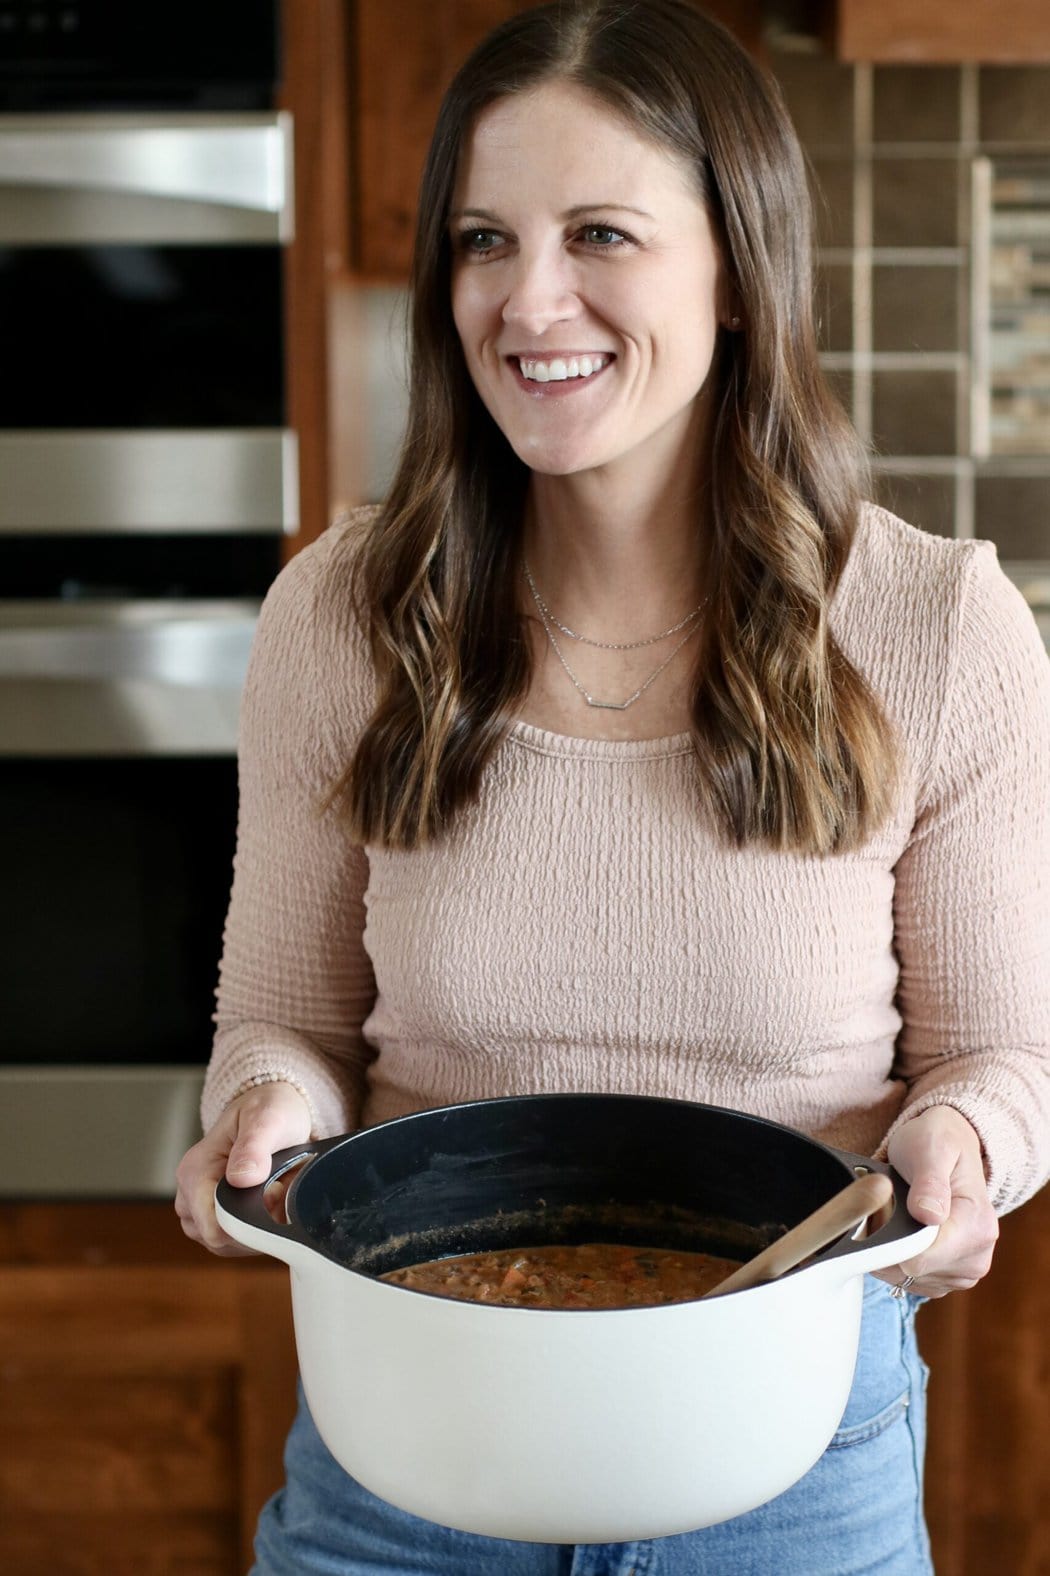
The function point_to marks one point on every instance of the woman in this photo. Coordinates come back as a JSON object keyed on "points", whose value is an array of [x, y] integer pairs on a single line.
{"points": [[624, 748]]}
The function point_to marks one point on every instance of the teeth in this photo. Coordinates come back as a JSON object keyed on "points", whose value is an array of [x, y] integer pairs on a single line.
{"points": [[557, 371]]}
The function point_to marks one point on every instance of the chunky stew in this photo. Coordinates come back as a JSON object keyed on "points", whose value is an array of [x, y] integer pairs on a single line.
{"points": [[588, 1275]]}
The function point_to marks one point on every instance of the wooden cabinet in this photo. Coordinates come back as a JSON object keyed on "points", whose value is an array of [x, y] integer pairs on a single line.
{"points": [[899, 32], [988, 1466], [146, 1389], [314, 91]]}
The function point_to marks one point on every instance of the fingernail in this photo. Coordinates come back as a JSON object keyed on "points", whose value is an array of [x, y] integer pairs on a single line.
{"points": [[934, 1205]]}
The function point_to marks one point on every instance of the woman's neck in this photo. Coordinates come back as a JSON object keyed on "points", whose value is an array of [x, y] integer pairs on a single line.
{"points": [[619, 565]]}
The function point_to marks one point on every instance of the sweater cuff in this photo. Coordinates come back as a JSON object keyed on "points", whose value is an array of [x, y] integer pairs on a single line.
{"points": [[251, 1055], [1014, 1166]]}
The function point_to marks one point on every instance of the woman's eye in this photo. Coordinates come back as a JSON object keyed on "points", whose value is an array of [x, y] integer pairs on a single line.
{"points": [[602, 235], [478, 241]]}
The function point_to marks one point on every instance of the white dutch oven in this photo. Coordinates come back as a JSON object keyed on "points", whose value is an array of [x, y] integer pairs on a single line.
{"points": [[579, 1426]]}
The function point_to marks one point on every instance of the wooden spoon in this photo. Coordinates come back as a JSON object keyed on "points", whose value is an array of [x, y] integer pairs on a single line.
{"points": [[845, 1210]]}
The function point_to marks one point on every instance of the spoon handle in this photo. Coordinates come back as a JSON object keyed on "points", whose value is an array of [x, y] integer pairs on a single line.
{"points": [[845, 1210]]}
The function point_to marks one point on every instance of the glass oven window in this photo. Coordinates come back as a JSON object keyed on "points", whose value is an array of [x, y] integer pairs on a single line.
{"points": [[141, 336], [116, 881], [76, 568]]}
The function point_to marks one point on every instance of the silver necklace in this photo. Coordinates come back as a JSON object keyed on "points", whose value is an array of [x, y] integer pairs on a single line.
{"points": [[607, 645], [606, 705]]}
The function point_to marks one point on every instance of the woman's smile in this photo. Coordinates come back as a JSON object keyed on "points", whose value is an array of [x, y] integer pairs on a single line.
{"points": [[553, 374]]}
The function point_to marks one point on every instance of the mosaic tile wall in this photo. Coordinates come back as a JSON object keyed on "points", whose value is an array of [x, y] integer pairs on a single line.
{"points": [[940, 347], [1012, 306]]}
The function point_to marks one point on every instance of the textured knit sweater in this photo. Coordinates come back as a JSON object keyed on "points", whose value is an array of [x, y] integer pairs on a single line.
{"points": [[585, 927]]}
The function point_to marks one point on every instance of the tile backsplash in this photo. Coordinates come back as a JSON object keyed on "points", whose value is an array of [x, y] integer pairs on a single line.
{"points": [[916, 326], [1012, 306]]}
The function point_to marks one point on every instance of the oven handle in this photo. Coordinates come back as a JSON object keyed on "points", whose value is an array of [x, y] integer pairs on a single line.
{"points": [[238, 161], [186, 645]]}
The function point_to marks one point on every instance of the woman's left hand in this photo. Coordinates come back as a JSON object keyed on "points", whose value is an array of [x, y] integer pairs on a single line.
{"points": [[939, 1154]]}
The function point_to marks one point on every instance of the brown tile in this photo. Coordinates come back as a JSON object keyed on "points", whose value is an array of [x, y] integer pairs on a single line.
{"points": [[925, 501], [831, 186], [833, 302], [915, 202], [1014, 103], [914, 412], [1014, 513], [819, 96], [917, 308], [916, 104]]}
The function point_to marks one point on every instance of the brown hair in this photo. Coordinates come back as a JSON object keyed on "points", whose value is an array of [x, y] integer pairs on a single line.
{"points": [[792, 748]]}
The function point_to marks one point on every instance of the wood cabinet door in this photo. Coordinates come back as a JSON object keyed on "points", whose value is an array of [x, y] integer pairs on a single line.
{"points": [[145, 1403], [900, 32], [988, 1456]]}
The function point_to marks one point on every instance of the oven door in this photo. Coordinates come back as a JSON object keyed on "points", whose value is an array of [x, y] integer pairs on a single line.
{"points": [[118, 798], [141, 291]]}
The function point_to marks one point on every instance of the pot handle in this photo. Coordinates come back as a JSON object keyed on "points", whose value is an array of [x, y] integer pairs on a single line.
{"points": [[243, 1215], [901, 1237]]}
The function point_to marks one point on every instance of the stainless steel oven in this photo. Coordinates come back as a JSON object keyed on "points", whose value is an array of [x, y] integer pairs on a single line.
{"points": [[142, 324], [147, 481]]}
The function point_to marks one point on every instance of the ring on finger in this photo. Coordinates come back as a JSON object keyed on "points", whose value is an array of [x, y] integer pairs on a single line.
{"points": [[903, 1288]]}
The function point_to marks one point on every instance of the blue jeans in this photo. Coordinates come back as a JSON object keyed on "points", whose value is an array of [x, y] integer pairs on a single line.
{"points": [[858, 1512]]}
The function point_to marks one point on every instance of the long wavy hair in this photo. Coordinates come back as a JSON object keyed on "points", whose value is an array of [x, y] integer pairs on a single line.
{"points": [[792, 749]]}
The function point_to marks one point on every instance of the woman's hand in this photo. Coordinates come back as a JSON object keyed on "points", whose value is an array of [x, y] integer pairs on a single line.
{"points": [[939, 1154], [240, 1147]]}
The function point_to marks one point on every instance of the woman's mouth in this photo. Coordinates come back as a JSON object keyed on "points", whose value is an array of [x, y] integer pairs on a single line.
{"points": [[567, 372]]}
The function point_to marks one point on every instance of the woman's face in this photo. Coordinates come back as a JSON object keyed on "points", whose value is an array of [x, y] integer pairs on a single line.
{"points": [[587, 286]]}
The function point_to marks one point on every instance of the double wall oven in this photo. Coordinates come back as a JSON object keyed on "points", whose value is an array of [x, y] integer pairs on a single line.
{"points": [[147, 479]]}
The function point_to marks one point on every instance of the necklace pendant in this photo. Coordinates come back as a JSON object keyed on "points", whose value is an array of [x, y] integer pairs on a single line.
{"points": [[610, 705]]}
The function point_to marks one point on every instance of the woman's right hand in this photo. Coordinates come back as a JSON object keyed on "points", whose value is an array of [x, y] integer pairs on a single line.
{"points": [[240, 1147]]}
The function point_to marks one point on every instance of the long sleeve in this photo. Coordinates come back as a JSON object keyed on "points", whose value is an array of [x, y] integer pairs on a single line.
{"points": [[972, 895], [295, 981]]}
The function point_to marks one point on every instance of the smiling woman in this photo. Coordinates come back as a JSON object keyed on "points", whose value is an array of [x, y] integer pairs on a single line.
{"points": [[578, 201], [624, 748]]}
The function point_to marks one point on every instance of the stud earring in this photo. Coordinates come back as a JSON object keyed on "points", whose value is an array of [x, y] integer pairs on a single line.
{"points": [[734, 322]]}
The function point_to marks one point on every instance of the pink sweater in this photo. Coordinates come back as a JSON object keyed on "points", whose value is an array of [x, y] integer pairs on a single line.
{"points": [[584, 928]]}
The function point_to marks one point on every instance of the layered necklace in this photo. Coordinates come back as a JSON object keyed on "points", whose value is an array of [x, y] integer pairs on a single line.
{"points": [[550, 624]]}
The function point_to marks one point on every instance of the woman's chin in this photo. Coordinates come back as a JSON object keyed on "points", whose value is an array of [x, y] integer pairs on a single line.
{"points": [[548, 459]]}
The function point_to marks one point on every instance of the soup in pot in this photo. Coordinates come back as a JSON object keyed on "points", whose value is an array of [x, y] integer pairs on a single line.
{"points": [[585, 1275]]}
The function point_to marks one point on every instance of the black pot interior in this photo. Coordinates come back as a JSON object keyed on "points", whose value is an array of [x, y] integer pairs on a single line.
{"points": [[541, 1169]]}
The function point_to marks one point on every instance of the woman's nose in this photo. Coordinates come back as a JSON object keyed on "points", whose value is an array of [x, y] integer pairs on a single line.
{"points": [[541, 294]]}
